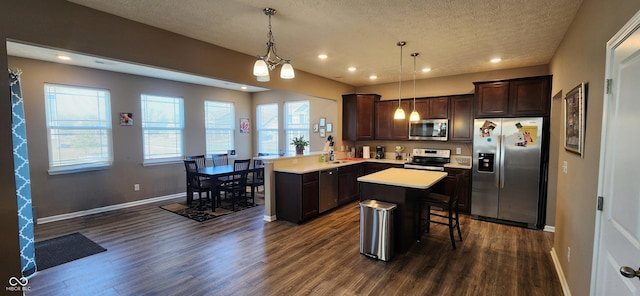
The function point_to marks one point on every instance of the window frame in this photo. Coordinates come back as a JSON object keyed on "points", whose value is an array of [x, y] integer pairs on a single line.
{"points": [[230, 129], [288, 129], [260, 129], [179, 129], [101, 163]]}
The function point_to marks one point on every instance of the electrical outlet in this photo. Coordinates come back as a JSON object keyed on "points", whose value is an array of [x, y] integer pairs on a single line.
{"points": [[568, 254], [458, 150], [136, 187], [565, 167]]}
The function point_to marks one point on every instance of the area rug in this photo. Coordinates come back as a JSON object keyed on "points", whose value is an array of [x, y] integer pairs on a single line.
{"points": [[59, 250], [192, 212]]}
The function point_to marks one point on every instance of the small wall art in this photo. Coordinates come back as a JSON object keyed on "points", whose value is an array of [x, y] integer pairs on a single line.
{"points": [[329, 127], [126, 118], [322, 121], [574, 116], [322, 133], [315, 127], [244, 125]]}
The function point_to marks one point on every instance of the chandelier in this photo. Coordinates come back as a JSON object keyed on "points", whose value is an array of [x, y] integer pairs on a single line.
{"points": [[399, 114], [270, 60]]}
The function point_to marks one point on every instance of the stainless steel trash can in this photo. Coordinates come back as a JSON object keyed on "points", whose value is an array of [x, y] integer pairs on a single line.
{"points": [[376, 229]]}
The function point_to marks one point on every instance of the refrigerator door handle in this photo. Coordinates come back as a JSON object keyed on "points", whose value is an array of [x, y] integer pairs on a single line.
{"points": [[502, 143], [498, 161]]}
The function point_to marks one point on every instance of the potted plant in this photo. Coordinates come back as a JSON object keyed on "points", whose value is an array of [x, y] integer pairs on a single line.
{"points": [[299, 142]]}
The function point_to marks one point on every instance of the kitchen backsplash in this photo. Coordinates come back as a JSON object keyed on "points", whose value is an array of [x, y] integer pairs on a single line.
{"points": [[466, 149]]}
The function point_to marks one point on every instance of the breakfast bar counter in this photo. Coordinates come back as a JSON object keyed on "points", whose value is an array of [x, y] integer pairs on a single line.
{"points": [[405, 188]]}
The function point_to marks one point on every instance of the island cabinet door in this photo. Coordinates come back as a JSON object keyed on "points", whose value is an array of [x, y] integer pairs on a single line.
{"points": [[297, 196], [348, 189]]}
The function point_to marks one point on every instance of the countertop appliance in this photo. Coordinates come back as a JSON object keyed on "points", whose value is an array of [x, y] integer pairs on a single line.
{"points": [[328, 190], [429, 129], [429, 159], [380, 152], [507, 170]]}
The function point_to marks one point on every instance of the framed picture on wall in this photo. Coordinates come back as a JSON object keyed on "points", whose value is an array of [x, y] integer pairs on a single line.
{"points": [[322, 121], [315, 127], [574, 114], [244, 125], [126, 118], [329, 127], [322, 133]]}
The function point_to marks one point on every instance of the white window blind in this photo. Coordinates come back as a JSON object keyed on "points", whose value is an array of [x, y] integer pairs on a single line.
{"points": [[162, 127], [219, 121], [296, 122], [267, 128], [78, 127]]}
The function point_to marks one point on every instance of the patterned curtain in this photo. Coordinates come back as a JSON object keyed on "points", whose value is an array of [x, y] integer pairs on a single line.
{"points": [[23, 181]]}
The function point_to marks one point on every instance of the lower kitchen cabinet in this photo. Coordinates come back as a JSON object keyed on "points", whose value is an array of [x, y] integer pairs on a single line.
{"points": [[372, 167], [447, 186], [348, 189], [297, 196]]}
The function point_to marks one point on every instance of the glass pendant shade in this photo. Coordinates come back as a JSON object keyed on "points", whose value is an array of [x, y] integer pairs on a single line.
{"points": [[414, 116], [260, 68], [286, 72], [399, 113], [263, 78]]}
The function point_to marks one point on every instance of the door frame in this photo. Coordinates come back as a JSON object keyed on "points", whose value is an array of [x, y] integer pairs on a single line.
{"points": [[619, 37]]}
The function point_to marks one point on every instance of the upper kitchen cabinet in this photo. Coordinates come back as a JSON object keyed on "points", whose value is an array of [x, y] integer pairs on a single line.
{"points": [[358, 116], [433, 108], [387, 128], [513, 98], [461, 118]]}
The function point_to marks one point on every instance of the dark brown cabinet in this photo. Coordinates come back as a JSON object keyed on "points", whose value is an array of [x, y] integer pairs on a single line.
{"points": [[512, 98], [348, 189], [372, 167], [387, 128], [432, 108], [297, 196], [447, 185], [358, 116], [461, 118]]}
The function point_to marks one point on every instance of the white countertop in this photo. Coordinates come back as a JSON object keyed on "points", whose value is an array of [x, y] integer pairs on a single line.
{"points": [[304, 168], [419, 179]]}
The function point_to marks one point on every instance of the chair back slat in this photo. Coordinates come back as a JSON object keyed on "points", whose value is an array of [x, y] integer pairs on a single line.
{"points": [[201, 160], [220, 159]]}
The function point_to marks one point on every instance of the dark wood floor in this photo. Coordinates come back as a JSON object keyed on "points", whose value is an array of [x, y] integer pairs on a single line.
{"points": [[155, 252]]}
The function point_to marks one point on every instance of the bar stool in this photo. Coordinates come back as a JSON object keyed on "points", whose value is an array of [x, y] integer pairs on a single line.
{"points": [[449, 205]]}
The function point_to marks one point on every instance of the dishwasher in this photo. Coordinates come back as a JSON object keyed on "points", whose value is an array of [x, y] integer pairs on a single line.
{"points": [[328, 190]]}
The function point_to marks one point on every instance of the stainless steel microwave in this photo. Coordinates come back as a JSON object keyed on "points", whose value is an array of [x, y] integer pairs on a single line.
{"points": [[429, 129]]}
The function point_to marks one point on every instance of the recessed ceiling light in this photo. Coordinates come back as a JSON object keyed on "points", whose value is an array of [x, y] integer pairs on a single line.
{"points": [[426, 69], [243, 87], [322, 56], [496, 60], [63, 57], [351, 69], [373, 77]]}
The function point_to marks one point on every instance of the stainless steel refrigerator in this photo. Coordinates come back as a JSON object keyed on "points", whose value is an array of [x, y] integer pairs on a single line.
{"points": [[508, 161]]}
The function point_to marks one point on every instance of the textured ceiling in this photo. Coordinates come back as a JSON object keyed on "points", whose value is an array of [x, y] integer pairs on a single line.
{"points": [[452, 36]]}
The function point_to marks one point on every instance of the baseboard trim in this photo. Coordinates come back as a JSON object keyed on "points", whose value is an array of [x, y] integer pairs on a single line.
{"points": [[269, 218], [563, 280], [108, 208], [548, 228]]}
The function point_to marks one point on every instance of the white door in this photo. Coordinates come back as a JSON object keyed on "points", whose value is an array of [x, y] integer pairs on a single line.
{"points": [[618, 225]]}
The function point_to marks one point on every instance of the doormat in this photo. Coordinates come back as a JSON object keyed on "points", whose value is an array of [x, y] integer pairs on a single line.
{"points": [[192, 212], [59, 250]]}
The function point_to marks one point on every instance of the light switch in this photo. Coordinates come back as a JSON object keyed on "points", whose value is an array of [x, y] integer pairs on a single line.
{"points": [[458, 150], [136, 187], [565, 167]]}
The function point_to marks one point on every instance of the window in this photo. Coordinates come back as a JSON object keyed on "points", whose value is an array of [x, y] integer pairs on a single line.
{"points": [[162, 125], [267, 128], [219, 120], [296, 122], [78, 128]]}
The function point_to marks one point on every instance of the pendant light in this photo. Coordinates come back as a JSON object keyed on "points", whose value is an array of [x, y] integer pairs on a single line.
{"points": [[270, 60], [414, 114], [399, 114]]}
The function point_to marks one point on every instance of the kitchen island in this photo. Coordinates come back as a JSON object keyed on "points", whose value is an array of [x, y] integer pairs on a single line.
{"points": [[405, 188]]}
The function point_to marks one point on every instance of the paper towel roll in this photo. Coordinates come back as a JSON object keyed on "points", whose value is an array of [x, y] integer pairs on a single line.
{"points": [[365, 152]]}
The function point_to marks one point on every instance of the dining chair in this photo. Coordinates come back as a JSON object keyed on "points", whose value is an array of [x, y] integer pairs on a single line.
{"points": [[256, 178], [201, 160], [236, 185], [195, 184], [449, 205], [220, 159]]}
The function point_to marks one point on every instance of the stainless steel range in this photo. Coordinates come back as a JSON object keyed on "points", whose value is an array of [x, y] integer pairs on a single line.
{"points": [[429, 159]]}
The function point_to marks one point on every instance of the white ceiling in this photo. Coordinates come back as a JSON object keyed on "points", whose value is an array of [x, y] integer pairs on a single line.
{"points": [[452, 36]]}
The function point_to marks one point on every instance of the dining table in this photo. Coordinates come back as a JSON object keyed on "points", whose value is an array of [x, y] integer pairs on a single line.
{"points": [[217, 172]]}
